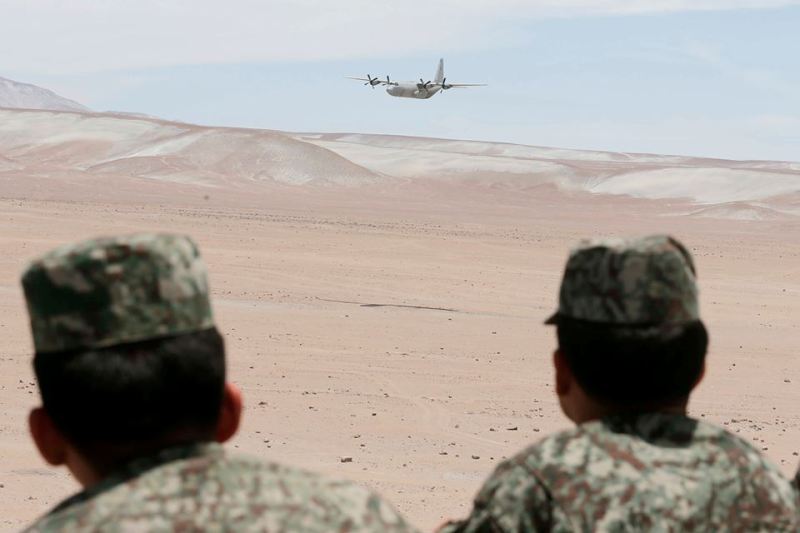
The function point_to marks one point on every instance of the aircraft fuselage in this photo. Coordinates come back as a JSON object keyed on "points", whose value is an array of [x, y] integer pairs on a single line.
{"points": [[412, 90]]}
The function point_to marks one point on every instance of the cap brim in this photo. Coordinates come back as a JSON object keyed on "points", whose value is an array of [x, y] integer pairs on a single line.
{"points": [[553, 320]]}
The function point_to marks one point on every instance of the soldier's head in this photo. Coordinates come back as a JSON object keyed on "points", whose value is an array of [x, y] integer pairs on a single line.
{"points": [[127, 356], [630, 338]]}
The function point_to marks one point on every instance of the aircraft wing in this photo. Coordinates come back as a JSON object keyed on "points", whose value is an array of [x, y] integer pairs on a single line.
{"points": [[449, 85], [372, 81]]}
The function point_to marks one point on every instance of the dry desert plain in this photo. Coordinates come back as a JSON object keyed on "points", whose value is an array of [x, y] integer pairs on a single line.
{"points": [[395, 318]]}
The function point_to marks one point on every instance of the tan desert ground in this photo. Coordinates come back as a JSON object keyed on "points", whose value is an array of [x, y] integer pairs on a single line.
{"points": [[383, 297]]}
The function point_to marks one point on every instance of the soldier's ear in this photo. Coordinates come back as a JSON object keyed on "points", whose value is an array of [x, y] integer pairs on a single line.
{"points": [[564, 378], [230, 413], [48, 439]]}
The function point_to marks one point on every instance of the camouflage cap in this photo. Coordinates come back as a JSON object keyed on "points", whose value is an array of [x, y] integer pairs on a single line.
{"points": [[647, 281], [115, 290]]}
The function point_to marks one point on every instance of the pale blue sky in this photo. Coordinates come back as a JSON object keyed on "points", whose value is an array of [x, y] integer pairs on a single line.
{"points": [[646, 76]]}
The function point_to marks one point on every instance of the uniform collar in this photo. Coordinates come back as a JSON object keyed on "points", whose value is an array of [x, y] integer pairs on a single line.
{"points": [[656, 428]]}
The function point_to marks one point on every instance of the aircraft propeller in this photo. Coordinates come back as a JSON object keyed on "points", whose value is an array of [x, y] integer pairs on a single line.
{"points": [[423, 85], [444, 84], [372, 81]]}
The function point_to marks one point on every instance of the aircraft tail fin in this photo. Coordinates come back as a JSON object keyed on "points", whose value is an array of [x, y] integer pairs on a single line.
{"points": [[439, 72]]}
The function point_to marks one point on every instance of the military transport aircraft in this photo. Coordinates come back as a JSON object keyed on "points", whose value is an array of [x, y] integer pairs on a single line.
{"points": [[422, 90]]}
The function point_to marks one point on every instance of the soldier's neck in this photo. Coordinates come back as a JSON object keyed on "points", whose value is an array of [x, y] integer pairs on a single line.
{"points": [[591, 410], [91, 469], [87, 475]]}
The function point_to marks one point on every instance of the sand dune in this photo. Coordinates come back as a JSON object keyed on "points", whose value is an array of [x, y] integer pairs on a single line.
{"points": [[481, 148], [702, 184], [707, 181], [46, 143], [160, 150]]}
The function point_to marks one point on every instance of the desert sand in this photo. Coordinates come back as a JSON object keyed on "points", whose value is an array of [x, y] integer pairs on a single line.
{"points": [[383, 297]]}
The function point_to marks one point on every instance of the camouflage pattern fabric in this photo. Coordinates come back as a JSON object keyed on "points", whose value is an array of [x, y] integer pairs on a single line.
{"points": [[796, 485], [654, 472], [644, 281], [200, 488], [111, 291]]}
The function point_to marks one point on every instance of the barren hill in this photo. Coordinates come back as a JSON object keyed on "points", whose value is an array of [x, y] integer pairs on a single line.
{"points": [[47, 143], [99, 148], [14, 94], [703, 180]]}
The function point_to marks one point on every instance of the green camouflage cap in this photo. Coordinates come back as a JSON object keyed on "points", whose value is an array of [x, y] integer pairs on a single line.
{"points": [[115, 290], [647, 281]]}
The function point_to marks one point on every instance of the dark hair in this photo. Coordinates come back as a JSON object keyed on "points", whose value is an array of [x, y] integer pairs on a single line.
{"points": [[135, 393], [634, 367]]}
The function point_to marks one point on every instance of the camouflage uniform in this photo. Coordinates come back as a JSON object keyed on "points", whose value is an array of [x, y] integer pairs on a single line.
{"points": [[651, 471], [200, 488], [111, 291], [796, 486]]}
